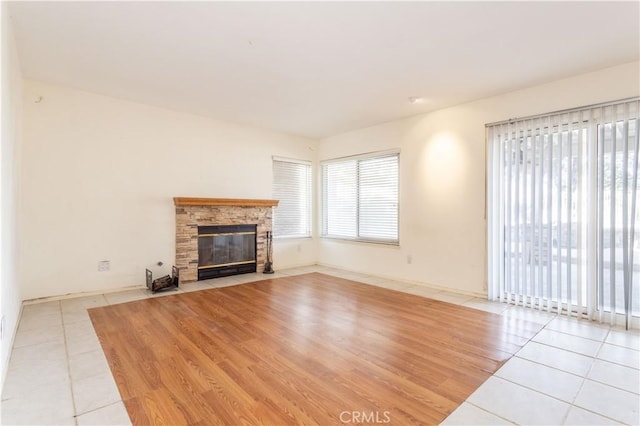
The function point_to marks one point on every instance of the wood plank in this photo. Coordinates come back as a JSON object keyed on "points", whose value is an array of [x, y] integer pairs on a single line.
{"points": [[300, 350], [235, 202]]}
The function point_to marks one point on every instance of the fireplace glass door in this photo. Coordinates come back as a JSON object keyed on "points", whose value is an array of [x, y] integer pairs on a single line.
{"points": [[226, 250]]}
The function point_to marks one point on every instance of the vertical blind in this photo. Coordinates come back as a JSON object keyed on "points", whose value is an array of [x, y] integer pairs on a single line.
{"points": [[562, 212], [292, 187], [360, 198]]}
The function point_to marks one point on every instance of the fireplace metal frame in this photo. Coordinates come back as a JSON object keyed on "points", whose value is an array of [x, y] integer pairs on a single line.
{"points": [[206, 272]]}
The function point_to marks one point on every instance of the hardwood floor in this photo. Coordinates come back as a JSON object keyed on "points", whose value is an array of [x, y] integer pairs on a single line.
{"points": [[308, 349]]}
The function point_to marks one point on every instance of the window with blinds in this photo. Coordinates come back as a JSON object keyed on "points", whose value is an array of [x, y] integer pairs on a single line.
{"points": [[563, 212], [360, 198], [292, 187]]}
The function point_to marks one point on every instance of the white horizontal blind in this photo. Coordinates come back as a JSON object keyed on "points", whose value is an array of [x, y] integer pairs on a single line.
{"points": [[561, 193], [292, 187], [378, 187], [340, 199], [360, 198]]}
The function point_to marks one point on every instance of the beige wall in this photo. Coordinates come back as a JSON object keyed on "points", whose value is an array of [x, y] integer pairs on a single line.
{"points": [[11, 122], [99, 176], [99, 173], [442, 179]]}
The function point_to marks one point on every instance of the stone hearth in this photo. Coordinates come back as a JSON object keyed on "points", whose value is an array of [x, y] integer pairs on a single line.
{"points": [[194, 212]]}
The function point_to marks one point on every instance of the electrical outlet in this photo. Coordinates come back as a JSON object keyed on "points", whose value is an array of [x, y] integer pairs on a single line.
{"points": [[104, 265], [299, 248], [409, 259]]}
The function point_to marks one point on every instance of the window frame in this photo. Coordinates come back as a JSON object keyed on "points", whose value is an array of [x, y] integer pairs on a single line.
{"points": [[324, 215]]}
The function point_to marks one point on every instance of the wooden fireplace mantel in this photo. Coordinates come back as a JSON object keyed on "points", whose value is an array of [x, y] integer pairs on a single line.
{"points": [[238, 202]]}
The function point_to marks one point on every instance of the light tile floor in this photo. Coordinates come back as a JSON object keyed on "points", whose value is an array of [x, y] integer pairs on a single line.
{"points": [[572, 372]]}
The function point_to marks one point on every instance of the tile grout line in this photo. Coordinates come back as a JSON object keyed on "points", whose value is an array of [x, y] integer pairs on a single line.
{"points": [[584, 380], [103, 406], [565, 349], [570, 404], [487, 411], [594, 359], [602, 343], [66, 350], [552, 367]]}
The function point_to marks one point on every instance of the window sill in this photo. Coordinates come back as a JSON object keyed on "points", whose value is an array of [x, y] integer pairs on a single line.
{"points": [[293, 237], [359, 240]]}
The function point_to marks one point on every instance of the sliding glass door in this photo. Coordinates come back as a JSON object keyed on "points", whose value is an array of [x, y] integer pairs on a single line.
{"points": [[618, 241], [563, 214]]}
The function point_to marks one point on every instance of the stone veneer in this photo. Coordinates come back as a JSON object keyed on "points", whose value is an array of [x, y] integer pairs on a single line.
{"points": [[192, 212]]}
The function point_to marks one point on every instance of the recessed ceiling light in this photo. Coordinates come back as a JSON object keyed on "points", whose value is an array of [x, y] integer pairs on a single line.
{"points": [[415, 99]]}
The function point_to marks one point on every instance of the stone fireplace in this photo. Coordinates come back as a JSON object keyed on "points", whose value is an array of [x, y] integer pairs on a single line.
{"points": [[192, 213]]}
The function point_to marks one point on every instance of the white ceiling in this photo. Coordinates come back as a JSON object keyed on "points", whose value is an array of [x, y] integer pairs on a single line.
{"points": [[317, 68]]}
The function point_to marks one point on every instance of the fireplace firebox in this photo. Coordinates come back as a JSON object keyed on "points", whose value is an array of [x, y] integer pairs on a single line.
{"points": [[225, 250]]}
